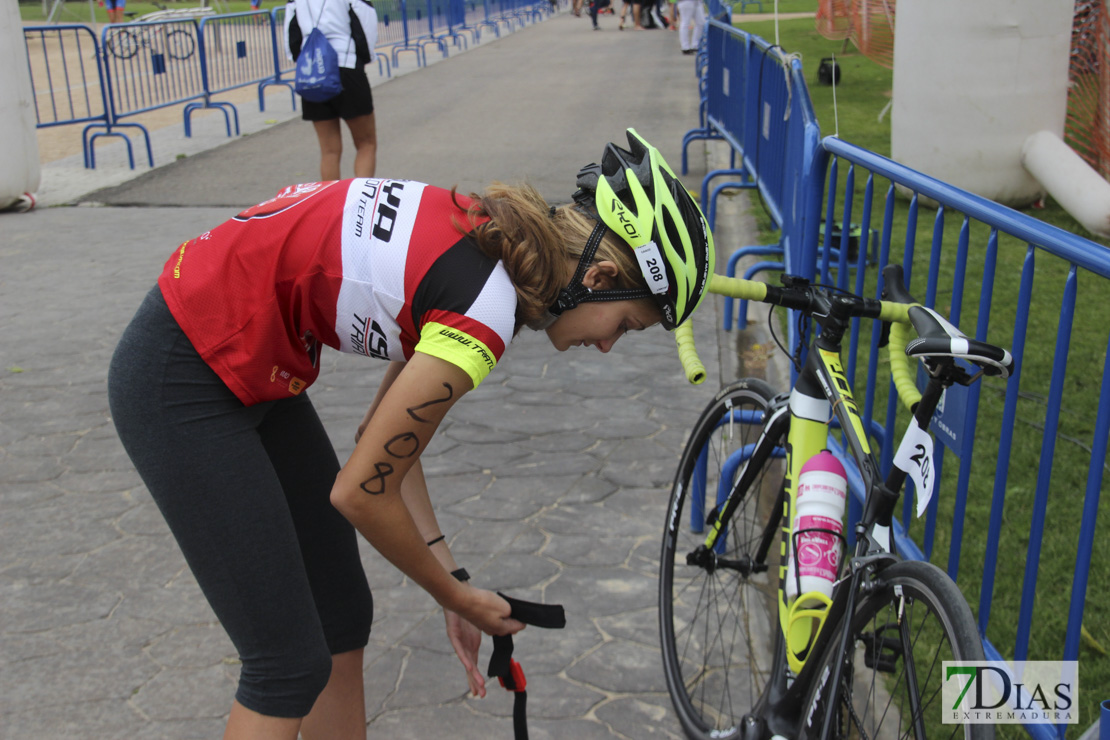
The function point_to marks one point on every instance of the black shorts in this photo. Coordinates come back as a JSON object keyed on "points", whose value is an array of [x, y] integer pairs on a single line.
{"points": [[355, 100], [245, 491]]}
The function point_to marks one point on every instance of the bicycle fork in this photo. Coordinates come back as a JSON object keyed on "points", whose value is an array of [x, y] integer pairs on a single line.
{"points": [[707, 555]]}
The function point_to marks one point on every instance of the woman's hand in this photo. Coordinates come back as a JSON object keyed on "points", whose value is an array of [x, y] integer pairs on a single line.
{"points": [[486, 612], [466, 639]]}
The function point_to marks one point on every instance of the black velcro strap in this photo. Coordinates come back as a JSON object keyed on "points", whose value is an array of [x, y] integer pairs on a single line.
{"points": [[548, 616], [501, 663]]}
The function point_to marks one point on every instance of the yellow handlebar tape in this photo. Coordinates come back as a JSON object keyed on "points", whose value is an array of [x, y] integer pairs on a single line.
{"points": [[688, 355], [753, 290], [901, 368]]}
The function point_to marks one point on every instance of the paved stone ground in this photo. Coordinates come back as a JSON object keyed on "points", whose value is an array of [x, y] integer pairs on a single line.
{"points": [[551, 479]]}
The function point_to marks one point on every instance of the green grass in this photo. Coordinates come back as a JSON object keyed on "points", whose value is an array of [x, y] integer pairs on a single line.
{"points": [[784, 6], [861, 96]]}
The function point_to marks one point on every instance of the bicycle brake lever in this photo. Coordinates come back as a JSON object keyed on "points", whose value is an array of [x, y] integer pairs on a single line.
{"points": [[884, 334]]}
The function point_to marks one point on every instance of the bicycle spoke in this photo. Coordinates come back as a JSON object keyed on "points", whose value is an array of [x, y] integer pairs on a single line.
{"points": [[891, 687], [717, 613]]}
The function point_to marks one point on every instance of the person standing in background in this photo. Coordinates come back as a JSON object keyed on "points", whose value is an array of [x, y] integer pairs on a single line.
{"points": [[634, 5], [596, 7], [115, 10], [689, 23], [351, 27]]}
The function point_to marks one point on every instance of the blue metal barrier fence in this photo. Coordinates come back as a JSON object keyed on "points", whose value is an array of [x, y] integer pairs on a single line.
{"points": [[1019, 282], [1038, 440], [139, 67]]}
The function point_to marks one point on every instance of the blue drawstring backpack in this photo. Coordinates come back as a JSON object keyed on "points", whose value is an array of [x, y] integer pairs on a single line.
{"points": [[317, 76]]}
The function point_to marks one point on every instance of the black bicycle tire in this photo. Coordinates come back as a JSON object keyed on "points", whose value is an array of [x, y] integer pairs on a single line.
{"points": [[920, 583], [177, 32], [758, 394], [114, 41]]}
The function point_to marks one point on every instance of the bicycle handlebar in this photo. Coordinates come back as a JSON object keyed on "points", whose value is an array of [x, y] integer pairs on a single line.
{"points": [[894, 312]]}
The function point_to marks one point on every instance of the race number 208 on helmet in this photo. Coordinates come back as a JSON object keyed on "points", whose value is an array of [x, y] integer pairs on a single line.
{"points": [[635, 194]]}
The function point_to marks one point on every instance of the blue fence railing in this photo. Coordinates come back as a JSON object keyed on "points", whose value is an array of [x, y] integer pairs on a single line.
{"points": [[774, 145], [1037, 444], [1002, 272], [63, 63], [139, 67]]}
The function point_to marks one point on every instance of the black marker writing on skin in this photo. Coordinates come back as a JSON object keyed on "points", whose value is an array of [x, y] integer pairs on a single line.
{"points": [[376, 484], [403, 445], [421, 407]]}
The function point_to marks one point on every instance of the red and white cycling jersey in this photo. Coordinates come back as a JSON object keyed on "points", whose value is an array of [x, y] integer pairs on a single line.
{"points": [[374, 267]]}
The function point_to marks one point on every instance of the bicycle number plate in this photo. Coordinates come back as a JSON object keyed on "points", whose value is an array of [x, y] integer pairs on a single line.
{"points": [[915, 457]]}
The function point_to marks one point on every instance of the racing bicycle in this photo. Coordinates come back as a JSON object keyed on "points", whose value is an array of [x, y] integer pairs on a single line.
{"points": [[125, 41], [742, 660]]}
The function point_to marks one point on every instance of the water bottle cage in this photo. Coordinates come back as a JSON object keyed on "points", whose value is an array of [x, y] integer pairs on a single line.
{"points": [[794, 536]]}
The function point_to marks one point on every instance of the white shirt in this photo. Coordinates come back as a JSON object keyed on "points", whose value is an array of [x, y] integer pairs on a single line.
{"points": [[332, 18]]}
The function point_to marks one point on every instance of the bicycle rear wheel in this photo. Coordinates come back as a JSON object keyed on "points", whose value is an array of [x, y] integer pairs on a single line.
{"points": [[717, 617], [892, 679]]}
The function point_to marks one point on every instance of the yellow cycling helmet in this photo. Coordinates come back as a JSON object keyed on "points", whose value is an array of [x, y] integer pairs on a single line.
{"points": [[635, 194]]}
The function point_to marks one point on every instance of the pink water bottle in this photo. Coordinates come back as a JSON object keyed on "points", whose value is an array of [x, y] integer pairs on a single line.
{"points": [[814, 556]]}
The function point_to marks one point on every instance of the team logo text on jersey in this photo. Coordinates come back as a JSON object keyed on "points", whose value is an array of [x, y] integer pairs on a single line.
{"points": [[470, 344], [288, 197], [180, 257], [369, 193], [386, 215], [367, 338], [296, 385]]}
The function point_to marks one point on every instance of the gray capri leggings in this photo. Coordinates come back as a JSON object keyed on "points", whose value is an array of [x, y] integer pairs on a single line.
{"points": [[245, 491]]}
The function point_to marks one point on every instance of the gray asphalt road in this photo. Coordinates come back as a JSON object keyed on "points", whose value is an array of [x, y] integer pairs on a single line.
{"points": [[551, 480]]}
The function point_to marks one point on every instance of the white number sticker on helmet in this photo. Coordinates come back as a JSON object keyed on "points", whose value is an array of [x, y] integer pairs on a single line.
{"points": [[651, 264]]}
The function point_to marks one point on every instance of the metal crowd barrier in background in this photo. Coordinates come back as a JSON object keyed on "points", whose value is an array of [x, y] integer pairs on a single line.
{"points": [[143, 66], [1004, 276], [995, 269], [237, 50], [63, 62], [158, 64], [751, 103]]}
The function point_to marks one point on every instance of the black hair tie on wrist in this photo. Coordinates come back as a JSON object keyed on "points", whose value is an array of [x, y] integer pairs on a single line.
{"points": [[441, 538]]}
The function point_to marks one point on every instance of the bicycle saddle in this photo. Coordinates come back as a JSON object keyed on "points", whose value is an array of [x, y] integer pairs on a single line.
{"points": [[937, 337]]}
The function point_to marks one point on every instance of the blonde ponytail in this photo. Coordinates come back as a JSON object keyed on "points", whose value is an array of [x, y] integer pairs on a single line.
{"points": [[539, 245]]}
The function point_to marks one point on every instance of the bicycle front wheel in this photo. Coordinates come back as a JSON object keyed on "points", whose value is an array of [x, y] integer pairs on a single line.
{"points": [[892, 674], [717, 610], [180, 44], [121, 43]]}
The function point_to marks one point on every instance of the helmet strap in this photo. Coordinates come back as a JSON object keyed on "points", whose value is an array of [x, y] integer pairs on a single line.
{"points": [[575, 293]]}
